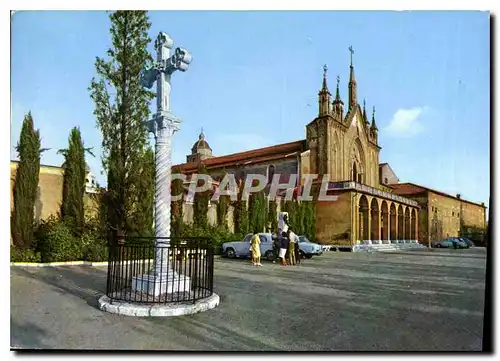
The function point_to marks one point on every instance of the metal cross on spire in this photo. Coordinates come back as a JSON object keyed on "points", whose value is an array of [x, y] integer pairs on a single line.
{"points": [[352, 52], [325, 69]]}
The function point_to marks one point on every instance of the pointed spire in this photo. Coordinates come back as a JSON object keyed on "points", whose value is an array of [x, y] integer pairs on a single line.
{"points": [[324, 96], [202, 135], [324, 88], [364, 112], [337, 95], [374, 126], [352, 84]]}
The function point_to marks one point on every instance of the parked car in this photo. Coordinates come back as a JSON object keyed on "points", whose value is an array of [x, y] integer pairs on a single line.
{"points": [[307, 248], [450, 242], [241, 249], [468, 241]]}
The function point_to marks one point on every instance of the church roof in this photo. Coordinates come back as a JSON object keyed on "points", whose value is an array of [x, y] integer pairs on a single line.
{"points": [[406, 189], [248, 157]]}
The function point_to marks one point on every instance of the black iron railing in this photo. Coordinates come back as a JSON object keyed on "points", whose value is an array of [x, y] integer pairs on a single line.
{"points": [[141, 272]]}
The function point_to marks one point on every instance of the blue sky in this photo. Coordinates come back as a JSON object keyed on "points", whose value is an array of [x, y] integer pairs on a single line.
{"points": [[255, 77]]}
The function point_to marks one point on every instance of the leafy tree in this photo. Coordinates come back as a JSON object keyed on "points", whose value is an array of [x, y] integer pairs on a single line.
{"points": [[121, 110], [201, 200], [26, 184], [72, 207]]}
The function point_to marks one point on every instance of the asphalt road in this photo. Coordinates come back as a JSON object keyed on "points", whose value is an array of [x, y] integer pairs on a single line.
{"points": [[407, 301]]}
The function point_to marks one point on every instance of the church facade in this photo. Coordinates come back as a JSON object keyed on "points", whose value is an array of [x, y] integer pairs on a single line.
{"points": [[341, 145]]}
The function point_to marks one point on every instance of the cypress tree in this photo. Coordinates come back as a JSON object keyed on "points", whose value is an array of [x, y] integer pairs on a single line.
{"points": [[200, 204], [72, 207], [257, 212], [26, 184], [177, 215], [241, 213], [272, 215], [141, 217], [122, 117], [223, 208]]}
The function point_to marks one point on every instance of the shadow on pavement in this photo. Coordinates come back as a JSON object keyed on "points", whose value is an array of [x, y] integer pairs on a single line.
{"points": [[85, 282], [26, 336]]}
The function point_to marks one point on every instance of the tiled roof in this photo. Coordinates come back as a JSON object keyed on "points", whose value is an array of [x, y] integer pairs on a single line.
{"points": [[406, 188], [247, 157], [411, 188]]}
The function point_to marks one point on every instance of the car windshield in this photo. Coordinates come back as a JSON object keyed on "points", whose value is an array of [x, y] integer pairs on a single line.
{"points": [[303, 240]]}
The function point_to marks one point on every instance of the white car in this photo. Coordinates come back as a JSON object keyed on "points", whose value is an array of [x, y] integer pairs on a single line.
{"points": [[308, 248]]}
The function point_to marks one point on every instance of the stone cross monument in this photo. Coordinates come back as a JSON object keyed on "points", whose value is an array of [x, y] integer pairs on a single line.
{"points": [[163, 125]]}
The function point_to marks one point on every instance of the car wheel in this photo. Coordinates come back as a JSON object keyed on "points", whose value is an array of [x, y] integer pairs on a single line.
{"points": [[302, 254], [269, 255], [230, 253], [309, 256]]}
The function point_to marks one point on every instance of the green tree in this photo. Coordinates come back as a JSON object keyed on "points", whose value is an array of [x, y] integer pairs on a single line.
{"points": [[121, 110], [223, 208], [272, 215], [240, 213], [309, 219], [177, 215], [257, 212], [26, 184], [201, 200], [72, 207], [141, 218]]}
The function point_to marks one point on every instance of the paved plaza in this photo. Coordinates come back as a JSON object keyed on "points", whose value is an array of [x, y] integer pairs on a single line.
{"points": [[415, 300]]}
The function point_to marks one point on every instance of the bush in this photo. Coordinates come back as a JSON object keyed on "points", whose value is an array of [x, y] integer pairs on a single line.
{"points": [[24, 255], [57, 242], [94, 247], [218, 234]]}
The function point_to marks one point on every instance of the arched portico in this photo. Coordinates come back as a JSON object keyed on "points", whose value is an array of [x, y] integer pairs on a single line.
{"points": [[363, 230], [375, 220]]}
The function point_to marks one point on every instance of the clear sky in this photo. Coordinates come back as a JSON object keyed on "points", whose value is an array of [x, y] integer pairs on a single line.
{"points": [[255, 77]]}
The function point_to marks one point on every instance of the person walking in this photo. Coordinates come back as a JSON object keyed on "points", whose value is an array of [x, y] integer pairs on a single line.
{"points": [[291, 249], [295, 239], [255, 249], [283, 243]]}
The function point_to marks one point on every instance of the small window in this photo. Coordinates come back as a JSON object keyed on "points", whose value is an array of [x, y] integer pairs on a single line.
{"points": [[386, 180], [458, 214], [453, 214]]}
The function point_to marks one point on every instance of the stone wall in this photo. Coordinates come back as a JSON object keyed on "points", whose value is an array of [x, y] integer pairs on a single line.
{"points": [[285, 167], [49, 195], [386, 173], [333, 220]]}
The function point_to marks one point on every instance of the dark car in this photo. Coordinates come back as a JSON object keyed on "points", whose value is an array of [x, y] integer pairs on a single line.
{"points": [[450, 242], [468, 241]]}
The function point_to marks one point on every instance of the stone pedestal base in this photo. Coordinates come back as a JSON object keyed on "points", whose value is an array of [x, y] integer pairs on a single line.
{"points": [[156, 285]]}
